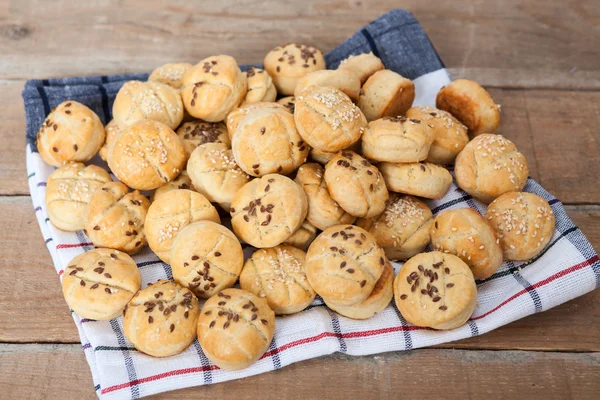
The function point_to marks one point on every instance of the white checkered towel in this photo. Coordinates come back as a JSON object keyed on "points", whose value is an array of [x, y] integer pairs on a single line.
{"points": [[567, 268]]}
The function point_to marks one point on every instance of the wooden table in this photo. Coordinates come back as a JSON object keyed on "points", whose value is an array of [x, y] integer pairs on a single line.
{"points": [[541, 61]]}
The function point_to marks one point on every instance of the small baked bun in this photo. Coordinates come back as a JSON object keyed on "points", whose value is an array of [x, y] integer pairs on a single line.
{"points": [[72, 132], [183, 181], [327, 119], [146, 155], [215, 174], [471, 104], [155, 101], [170, 213], [266, 141], [234, 117], [435, 290], [98, 284], [213, 87], [267, 211], [278, 275], [524, 222], [289, 102], [161, 319], [115, 218], [489, 166], [235, 328], [206, 258], [378, 300], [68, 193], [450, 136], [196, 133], [356, 185], [340, 79], [260, 86], [323, 157], [286, 64], [170, 74], [323, 211], [463, 232], [397, 139], [112, 129], [303, 236], [402, 230], [419, 179], [362, 65], [343, 264], [386, 94]]}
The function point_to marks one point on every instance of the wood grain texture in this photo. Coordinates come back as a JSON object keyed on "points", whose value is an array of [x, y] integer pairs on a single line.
{"points": [[51, 371]]}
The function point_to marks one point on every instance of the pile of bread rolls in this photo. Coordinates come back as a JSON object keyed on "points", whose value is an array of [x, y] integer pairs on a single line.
{"points": [[196, 138]]}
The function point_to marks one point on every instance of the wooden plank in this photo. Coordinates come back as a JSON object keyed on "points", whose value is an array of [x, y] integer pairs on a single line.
{"points": [[23, 254], [60, 371], [528, 44], [13, 178]]}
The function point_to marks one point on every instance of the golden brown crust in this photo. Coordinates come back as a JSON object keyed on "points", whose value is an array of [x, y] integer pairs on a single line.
{"points": [[235, 328], [98, 284], [268, 210], [234, 117], [161, 319], [386, 94], [172, 212], [362, 65], [419, 179], [112, 129], [68, 193], [356, 185], [286, 64], [146, 155], [303, 236], [278, 275], [196, 133], [489, 166], [71, 132], [524, 222], [435, 290], [289, 102], [343, 264], [340, 79], [260, 86], [170, 74], [466, 234], [183, 181]]}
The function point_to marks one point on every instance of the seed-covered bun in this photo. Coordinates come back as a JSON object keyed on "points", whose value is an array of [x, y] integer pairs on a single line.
{"points": [[289, 102], [72, 132], [463, 232], [112, 129], [215, 173], [115, 218], [234, 117], [419, 179], [471, 104], [155, 101], [170, 213], [303, 236], [170, 74], [386, 94], [183, 181], [267, 211], [68, 193], [362, 65], [323, 157], [340, 79], [343, 264], [206, 258], [524, 222], [277, 274], [378, 300], [196, 133], [489, 166], [161, 319], [397, 139], [356, 185], [435, 290], [213, 87], [266, 141], [98, 284], [450, 136], [286, 64], [323, 211], [260, 86], [146, 155], [402, 230], [235, 328], [327, 119]]}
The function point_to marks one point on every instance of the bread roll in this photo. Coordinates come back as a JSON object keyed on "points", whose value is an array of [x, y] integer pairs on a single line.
{"points": [[340, 79], [170, 74], [260, 86], [286, 64], [362, 65], [419, 179], [386, 94]]}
